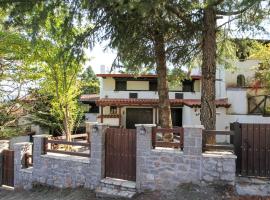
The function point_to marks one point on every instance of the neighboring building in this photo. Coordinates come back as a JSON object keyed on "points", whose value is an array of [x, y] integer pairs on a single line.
{"points": [[126, 100]]}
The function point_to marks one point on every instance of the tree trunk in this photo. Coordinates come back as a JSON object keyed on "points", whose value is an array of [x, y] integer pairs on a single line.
{"points": [[208, 107], [163, 88], [67, 124]]}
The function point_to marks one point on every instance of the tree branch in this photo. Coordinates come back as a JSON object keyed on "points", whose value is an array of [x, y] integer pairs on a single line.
{"points": [[238, 12]]}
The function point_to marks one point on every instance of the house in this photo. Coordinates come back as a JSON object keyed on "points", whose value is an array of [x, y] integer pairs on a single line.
{"points": [[126, 100]]}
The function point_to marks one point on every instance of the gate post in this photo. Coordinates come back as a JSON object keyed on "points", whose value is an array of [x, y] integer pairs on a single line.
{"points": [[193, 140], [144, 146], [97, 159], [19, 151], [4, 144]]}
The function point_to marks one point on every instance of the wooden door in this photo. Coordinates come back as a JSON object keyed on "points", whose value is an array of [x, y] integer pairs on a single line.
{"points": [[8, 168], [253, 150], [176, 117], [120, 153]]}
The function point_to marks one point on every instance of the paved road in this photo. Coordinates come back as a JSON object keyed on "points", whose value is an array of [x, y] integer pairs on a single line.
{"points": [[184, 192]]}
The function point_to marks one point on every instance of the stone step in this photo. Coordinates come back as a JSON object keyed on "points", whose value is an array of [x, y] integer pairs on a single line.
{"points": [[116, 188], [118, 184], [103, 192]]}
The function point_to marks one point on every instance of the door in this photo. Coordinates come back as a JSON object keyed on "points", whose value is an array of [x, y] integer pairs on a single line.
{"points": [[8, 168], [176, 116], [252, 148], [138, 116], [120, 153]]}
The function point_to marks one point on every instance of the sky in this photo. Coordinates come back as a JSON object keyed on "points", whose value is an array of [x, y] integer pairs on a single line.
{"points": [[99, 56]]}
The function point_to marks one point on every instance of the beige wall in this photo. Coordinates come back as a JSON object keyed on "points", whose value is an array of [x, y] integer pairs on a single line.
{"points": [[108, 84], [247, 68], [137, 85], [197, 86]]}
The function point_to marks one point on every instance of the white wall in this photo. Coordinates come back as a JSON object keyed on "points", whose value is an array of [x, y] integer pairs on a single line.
{"points": [[147, 94], [110, 121], [220, 83], [247, 68], [91, 117], [237, 97]]}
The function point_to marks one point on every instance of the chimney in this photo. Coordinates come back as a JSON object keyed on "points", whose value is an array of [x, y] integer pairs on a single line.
{"points": [[102, 69]]}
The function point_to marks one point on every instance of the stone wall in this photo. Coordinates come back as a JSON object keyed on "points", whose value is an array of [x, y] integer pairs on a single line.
{"points": [[63, 171], [156, 169], [164, 168], [22, 177], [219, 168]]}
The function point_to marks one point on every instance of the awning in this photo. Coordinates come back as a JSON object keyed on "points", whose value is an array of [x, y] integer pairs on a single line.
{"points": [[154, 102]]}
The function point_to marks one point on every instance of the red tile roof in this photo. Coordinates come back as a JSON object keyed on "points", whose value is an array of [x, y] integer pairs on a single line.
{"points": [[89, 97], [154, 102], [195, 77]]}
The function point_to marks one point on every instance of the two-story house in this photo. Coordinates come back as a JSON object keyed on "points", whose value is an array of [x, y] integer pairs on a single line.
{"points": [[126, 100]]}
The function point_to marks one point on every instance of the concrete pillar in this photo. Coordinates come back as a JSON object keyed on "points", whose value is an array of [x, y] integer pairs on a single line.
{"points": [[97, 159], [193, 140], [4, 144], [144, 146], [20, 149]]}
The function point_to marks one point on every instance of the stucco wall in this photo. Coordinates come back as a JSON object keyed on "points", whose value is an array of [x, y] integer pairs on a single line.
{"points": [[237, 97], [137, 85], [247, 68], [91, 117], [110, 121], [108, 84]]}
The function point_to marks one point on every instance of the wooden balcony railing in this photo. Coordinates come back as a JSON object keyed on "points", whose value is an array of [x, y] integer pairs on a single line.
{"points": [[217, 146], [177, 140], [65, 147]]}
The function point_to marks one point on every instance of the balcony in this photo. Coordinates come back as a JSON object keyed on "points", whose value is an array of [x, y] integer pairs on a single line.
{"points": [[146, 94]]}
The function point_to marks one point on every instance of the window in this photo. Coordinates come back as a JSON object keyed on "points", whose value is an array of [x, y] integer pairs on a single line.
{"points": [[178, 95], [133, 95], [240, 80], [113, 110], [120, 85], [188, 86], [153, 86], [93, 108]]}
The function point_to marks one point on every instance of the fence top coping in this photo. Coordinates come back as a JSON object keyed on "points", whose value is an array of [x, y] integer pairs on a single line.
{"points": [[4, 141], [167, 150], [22, 143], [92, 123], [66, 157], [222, 154], [28, 170], [145, 125], [41, 136], [193, 126]]}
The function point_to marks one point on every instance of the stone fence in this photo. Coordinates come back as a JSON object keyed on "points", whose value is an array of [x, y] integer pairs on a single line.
{"points": [[164, 168], [160, 168], [63, 171]]}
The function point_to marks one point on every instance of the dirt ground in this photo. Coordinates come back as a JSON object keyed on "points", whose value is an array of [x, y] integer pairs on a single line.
{"points": [[183, 192]]}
